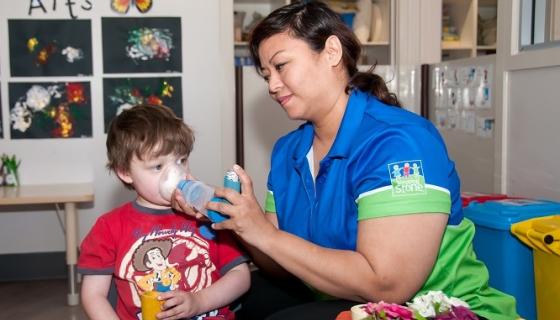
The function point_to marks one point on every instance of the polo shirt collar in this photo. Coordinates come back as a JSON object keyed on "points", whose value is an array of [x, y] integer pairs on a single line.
{"points": [[349, 126]]}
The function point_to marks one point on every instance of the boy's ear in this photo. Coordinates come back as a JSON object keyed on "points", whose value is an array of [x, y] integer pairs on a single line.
{"points": [[124, 176], [333, 50]]}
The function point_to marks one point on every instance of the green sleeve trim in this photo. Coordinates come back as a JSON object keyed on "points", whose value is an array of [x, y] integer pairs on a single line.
{"points": [[269, 204], [384, 203]]}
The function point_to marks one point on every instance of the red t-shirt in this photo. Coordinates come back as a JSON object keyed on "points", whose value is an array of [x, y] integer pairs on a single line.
{"points": [[148, 249]]}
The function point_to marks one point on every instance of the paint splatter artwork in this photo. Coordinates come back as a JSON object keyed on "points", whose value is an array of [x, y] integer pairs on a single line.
{"points": [[50, 47], [123, 93], [122, 6], [141, 45], [50, 110]]}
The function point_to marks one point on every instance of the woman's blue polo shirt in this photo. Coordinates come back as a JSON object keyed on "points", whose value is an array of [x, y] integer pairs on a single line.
{"points": [[384, 161]]}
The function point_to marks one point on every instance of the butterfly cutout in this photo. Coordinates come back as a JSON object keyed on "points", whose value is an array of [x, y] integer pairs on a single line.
{"points": [[122, 6]]}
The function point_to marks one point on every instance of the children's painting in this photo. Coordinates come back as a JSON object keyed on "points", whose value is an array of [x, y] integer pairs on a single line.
{"points": [[141, 45], [122, 6], [124, 93], [43, 110], [44, 48], [1, 127]]}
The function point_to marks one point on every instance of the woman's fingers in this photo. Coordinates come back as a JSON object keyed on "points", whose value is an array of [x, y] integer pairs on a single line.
{"points": [[246, 182]]}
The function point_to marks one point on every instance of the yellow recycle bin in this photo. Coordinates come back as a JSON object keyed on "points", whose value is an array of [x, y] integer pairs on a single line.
{"points": [[543, 235]]}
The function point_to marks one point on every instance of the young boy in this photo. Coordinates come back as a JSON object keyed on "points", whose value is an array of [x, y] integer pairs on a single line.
{"points": [[146, 246]]}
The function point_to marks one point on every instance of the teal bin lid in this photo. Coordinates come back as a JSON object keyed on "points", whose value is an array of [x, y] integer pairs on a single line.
{"points": [[501, 214]]}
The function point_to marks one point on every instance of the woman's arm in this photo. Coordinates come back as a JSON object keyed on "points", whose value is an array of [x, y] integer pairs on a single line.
{"points": [[95, 289], [393, 258]]}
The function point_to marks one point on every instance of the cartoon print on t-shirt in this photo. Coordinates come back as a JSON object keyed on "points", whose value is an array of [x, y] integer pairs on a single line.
{"points": [[151, 256], [167, 259]]}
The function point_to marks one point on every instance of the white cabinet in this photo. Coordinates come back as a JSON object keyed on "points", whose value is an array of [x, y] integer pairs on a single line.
{"points": [[468, 28], [375, 19]]}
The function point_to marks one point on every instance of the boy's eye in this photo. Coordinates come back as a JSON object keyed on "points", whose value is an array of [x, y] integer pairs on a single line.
{"points": [[158, 167], [182, 161]]}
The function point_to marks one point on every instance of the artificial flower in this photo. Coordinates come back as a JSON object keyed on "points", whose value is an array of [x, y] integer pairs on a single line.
{"points": [[434, 305]]}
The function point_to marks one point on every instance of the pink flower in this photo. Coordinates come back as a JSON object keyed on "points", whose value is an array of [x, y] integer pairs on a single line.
{"points": [[389, 311], [457, 313]]}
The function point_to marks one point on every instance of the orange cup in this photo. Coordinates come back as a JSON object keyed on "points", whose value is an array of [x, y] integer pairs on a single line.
{"points": [[150, 305]]}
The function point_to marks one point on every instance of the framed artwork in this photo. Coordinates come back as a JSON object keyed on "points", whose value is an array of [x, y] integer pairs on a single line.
{"points": [[46, 48], [141, 45], [40, 110], [1, 127], [124, 93]]}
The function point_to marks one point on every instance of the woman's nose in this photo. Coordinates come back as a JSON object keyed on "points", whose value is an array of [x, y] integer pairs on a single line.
{"points": [[274, 84]]}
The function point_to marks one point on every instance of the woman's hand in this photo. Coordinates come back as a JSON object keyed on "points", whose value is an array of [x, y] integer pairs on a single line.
{"points": [[247, 219]]}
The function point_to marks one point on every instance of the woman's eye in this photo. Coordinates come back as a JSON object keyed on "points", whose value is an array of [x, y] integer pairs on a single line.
{"points": [[266, 78], [279, 66]]}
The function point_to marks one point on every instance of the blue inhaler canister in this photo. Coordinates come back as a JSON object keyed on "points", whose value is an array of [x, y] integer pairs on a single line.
{"points": [[231, 180]]}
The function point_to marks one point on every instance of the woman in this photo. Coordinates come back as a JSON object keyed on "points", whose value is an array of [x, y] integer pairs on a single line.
{"points": [[363, 201]]}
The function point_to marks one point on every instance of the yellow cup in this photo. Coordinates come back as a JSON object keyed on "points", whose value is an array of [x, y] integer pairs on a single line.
{"points": [[150, 305]]}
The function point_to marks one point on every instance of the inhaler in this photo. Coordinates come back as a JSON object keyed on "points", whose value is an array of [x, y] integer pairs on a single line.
{"points": [[196, 193]]}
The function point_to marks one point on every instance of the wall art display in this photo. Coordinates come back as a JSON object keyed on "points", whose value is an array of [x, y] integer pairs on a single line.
{"points": [[45, 48], [141, 45], [460, 94], [124, 93], [42, 110], [122, 6], [1, 127]]}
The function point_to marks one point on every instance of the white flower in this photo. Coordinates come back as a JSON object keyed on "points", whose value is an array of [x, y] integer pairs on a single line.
{"points": [[72, 54], [425, 304], [123, 107], [20, 116], [37, 98], [456, 302], [54, 91]]}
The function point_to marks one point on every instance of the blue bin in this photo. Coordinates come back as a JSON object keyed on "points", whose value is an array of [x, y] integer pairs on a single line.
{"points": [[509, 261]]}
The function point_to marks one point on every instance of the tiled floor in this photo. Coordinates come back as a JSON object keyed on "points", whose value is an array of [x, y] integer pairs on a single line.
{"points": [[37, 300]]}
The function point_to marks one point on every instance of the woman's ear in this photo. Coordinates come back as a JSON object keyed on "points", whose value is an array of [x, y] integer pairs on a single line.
{"points": [[124, 176], [333, 50]]}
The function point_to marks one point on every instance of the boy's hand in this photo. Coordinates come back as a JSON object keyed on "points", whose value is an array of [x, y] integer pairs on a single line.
{"points": [[178, 203], [178, 304]]}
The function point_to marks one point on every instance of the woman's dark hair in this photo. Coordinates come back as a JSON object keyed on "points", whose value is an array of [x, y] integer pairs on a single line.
{"points": [[313, 22]]}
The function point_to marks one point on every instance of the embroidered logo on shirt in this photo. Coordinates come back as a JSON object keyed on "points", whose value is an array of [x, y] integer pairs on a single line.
{"points": [[407, 177]]}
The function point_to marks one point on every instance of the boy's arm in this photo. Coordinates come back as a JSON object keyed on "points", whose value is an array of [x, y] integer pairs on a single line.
{"points": [[95, 289], [232, 285]]}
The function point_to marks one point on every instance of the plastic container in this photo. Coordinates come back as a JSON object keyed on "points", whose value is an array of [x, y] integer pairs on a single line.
{"points": [[196, 193], [509, 262], [543, 236], [348, 18], [468, 197]]}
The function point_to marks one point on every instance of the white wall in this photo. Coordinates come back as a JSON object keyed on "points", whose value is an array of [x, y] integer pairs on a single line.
{"points": [[527, 147], [208, 106]]}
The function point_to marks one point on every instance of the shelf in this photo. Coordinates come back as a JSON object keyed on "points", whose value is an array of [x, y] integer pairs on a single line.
{"points": [[492, 47], [365, 44], [375, 43], [455, 45], [466, 18]]}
